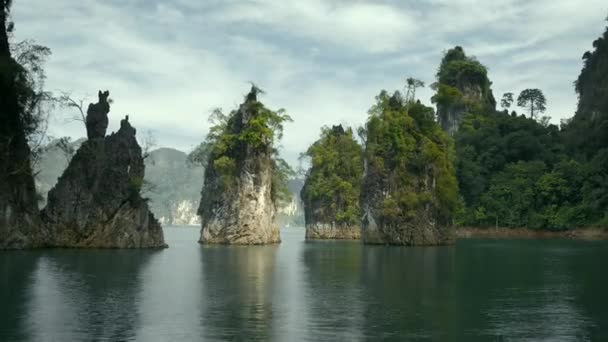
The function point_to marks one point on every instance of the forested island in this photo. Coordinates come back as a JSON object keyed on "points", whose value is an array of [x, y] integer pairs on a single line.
{"points": [[410, 175]]}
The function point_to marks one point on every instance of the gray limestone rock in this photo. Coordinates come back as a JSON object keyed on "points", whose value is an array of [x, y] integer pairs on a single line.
{"points": [[244, 213], [96, 203]]}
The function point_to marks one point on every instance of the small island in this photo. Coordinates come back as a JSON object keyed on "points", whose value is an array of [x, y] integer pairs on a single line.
{"points": [[244, 177], [409, 194], [332, 188], [97, 202]]}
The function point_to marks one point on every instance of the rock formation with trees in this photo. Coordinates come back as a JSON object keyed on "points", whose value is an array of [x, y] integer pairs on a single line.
{"points": [[244, 177], [333, 185]]}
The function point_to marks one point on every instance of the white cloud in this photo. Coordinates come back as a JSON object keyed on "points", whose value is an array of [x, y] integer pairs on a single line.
{"points": [[168, 63], [357, 25]]}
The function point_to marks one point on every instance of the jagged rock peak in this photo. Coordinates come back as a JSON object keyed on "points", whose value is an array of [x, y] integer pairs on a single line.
{"points": [[97, 202], [97, 116]]}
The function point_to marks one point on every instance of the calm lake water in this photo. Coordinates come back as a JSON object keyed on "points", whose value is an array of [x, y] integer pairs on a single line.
{"points": [[478, 290]]}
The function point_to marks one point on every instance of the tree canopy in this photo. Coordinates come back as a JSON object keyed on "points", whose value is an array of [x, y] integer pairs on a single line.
{"points": [[404, 147], [333, 182], [534, 100]]}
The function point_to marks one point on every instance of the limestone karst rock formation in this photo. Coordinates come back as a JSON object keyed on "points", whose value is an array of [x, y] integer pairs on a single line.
{"points": [[97, 202], [97, 116], [409, 191], [238, 204], [331, 191], [462, 86], [20, 225]]}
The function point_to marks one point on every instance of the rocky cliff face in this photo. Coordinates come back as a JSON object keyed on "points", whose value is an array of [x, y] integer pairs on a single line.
{"points": [[586, 134], [96, 203], [238, 204], [462, 86], [409, 190], [19, 218]]}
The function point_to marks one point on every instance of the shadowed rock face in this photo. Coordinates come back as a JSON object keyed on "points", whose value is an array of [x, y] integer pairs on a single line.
{"points": [[19, 218], [97, 203], [97, 116], [245, 213]]}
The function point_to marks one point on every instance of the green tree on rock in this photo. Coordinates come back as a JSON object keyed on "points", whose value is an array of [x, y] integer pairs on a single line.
{"points": [[506, 101], [534, 100]]}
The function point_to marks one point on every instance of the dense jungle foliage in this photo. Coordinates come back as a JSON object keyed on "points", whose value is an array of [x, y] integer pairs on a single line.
{"points": [[458, 75], [333, 182], [410, 162], [516, 172]]}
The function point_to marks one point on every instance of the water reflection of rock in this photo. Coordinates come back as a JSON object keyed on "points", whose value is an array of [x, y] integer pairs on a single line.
{"points": [[239, 287], [16, 269], [408, 293], [333, 292], [87, 295]]}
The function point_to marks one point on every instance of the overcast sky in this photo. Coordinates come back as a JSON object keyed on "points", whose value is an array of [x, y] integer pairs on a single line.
{"points": [[168, 63]]}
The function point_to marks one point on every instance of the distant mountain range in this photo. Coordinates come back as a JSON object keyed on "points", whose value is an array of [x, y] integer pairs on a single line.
{"points": [[172, 185]]}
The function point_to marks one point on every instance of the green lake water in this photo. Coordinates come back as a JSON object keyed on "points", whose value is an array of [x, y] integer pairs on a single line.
{"points": [[477, 290]]}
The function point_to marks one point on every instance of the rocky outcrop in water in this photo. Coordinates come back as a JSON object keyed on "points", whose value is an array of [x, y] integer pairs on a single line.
{"points": [[462, 87], [240, 191], [96, 203], [20, 225], [332, 187], [409, 191]]}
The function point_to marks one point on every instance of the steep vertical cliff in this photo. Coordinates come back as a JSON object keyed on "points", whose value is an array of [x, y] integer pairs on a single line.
{"points": [[462, 86], [96, 203], [587, 133], [409, 189], [243, 181], [19, 218], [333, 183]]}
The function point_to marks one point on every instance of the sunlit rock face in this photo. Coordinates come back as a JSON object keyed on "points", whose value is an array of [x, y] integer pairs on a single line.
{"points": [[243, 213], [96, 203]]}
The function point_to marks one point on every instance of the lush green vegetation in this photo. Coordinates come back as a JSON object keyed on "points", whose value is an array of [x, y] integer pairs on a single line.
{"points": [[231, 139], [457, 72], [333, 183], [410, 159], [516, 172]]}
